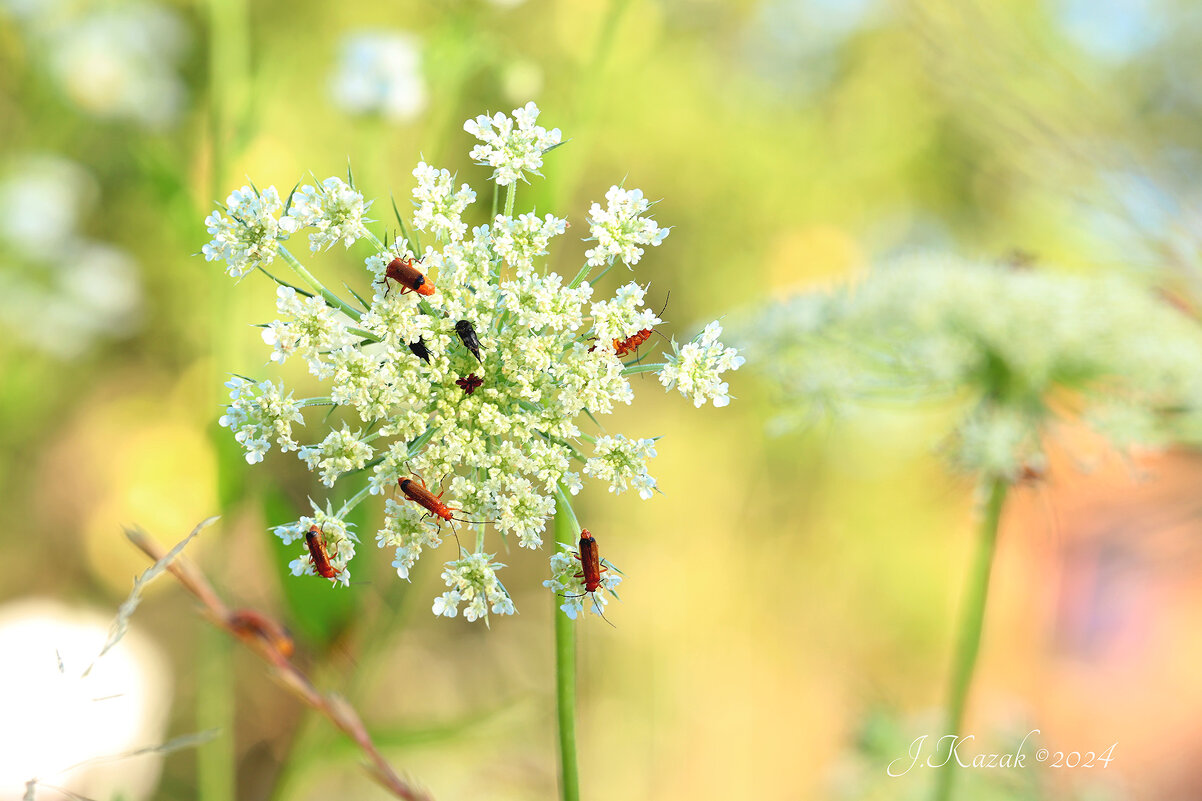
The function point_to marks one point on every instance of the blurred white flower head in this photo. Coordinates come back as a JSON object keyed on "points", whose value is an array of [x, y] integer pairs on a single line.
{"points": [[55, 719], [1018, 348], [50, 275], [42, 201], [122, 62], [379, 73]]}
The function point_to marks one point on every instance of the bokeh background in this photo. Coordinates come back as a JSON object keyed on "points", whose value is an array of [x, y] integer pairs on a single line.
{"points": [[787, 614]]}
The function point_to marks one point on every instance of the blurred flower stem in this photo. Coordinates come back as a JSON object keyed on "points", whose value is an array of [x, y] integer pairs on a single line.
{"points": [[969, 639], [586, 106], [228, 68], [567, 530]]}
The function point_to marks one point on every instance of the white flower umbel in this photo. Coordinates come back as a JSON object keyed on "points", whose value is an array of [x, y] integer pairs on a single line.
{"points": [[617, 319], [620, 228], [513, 150], [247, 235], [484, 387], [308, 326], [1013, 345], [340, 543], [334, 209], [520, 241], [379, 73], [52, 276], [473, 581], [567, 581], [696, 369], [339, 452], [408, 533], [439, 206], [261, 413], [623, 463]]}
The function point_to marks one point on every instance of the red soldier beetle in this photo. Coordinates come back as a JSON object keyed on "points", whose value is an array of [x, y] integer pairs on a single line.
{"points": [[421, 495], [590, 570], [316, 541], [632, 343], [411, 279]]}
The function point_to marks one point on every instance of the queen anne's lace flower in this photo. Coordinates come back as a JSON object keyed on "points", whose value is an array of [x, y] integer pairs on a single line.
{"points": [[623, 463], [335, 209], [511, 150], [619, 228], [567, 581], [259, 414], [696, 369], [248, 234], [493, 431]]}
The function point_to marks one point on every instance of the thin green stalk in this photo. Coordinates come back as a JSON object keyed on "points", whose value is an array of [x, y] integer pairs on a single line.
{"points": [[588, 101], [359, 332], [580, 276], [969, 639], [215, 760], [511, 196], [567, 530], [634, 369], [228, 69], [354, 501], [312, 281]]}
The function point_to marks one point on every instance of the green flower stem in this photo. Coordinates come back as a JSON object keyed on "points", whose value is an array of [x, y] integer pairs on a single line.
{"points": [[580, 276], [354, 501], [375, 240], [969, 639], [601, 274], [511, 196], [359, 332], [643, 368], [308, 278], [216, 760], [285, 283], [567, 530], [228, 108], [596, 87]]}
